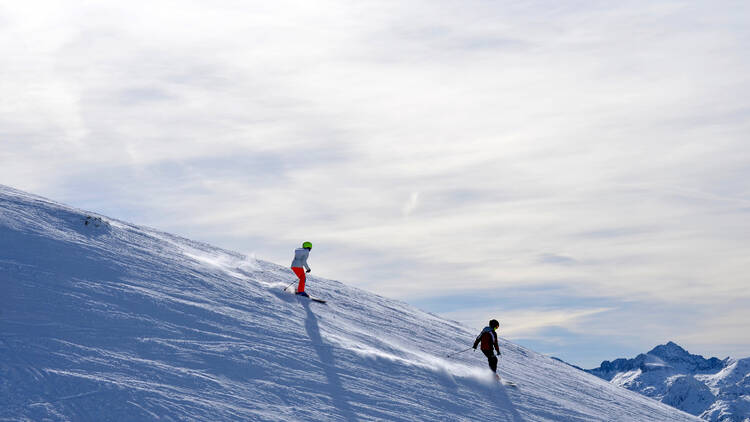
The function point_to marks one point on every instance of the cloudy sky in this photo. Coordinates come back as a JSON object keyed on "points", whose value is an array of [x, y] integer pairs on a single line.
{"points": [[578, 170]]}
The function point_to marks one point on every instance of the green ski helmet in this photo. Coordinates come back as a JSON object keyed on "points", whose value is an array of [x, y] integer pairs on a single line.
{"points": [[307, 245]]}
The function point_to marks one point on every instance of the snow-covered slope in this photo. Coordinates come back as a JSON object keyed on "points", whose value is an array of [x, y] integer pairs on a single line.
{"points": [[107, 321], [716, 390]]}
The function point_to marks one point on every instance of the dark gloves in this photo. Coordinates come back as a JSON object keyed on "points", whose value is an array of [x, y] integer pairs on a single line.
{"points": [[475, 347], [307, 271]]}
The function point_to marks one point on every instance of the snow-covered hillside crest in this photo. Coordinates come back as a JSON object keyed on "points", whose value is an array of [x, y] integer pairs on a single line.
{"points": [[714, 389], [116, 322]]}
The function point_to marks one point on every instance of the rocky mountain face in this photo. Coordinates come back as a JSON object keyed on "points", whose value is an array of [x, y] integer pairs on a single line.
{"points": [[714, 389]]}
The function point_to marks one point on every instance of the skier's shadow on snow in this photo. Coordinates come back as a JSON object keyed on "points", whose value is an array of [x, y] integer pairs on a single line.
{"points": [[336, 390], [505, 404]]}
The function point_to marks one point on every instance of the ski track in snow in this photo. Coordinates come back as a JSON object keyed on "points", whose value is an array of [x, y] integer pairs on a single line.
{"points": [[119, 322]]}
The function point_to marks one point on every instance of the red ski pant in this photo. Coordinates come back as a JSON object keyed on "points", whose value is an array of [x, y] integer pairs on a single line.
{"points": [[301, 275]]}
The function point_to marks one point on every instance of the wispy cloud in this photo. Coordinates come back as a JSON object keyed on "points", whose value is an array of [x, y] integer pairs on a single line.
{"points": [[411, 204], [600, 147], [527, 323]]}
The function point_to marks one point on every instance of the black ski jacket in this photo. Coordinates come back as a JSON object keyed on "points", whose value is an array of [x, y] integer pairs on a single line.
{"points": [[488, 338]]}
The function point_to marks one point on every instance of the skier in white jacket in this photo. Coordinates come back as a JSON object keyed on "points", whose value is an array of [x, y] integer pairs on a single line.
{"points": [[300, 261]]}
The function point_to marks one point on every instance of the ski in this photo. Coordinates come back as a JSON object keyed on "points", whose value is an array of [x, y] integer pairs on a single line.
{"points": [[507, 383], [314, 299]]}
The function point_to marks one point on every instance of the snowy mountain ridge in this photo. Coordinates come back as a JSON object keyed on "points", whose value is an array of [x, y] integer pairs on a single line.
{"points": [[667, 355], [714, 389], [102, 320]]}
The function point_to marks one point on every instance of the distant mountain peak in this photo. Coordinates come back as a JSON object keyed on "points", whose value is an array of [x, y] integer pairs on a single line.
{"points": [[683, 361], [672, 346], [674, 376], [671, 349]]}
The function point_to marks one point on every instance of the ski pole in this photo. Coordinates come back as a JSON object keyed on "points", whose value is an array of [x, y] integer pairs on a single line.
{"points": [[455, 353], [290, 285]]}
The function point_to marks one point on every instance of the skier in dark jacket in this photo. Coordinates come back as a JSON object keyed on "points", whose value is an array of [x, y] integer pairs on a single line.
{"points": [[488, 340]]}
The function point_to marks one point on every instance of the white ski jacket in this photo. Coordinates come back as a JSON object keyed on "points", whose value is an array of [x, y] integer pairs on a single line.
{"points": [[300, 258]]}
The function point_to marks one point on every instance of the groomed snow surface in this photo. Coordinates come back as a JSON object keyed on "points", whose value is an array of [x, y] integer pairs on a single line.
{"points": [[111, 322]]}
